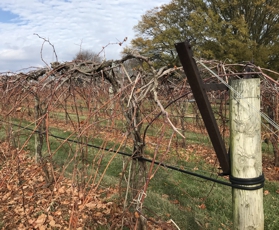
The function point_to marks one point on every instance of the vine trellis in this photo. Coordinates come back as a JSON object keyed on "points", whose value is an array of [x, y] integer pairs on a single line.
{"points": [[122, 105]]}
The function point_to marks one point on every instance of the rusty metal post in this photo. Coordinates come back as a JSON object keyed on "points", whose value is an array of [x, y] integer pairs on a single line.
{"points": [[190, 68]]}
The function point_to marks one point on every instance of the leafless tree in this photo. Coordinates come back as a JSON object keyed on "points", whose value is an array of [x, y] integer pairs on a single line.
{"points": [[87, 55]]}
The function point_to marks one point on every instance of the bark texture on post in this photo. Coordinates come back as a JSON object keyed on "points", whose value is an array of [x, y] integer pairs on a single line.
{"points": [[246, 156]]}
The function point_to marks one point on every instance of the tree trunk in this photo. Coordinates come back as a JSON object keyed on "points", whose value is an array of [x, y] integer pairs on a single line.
{"points": [[40, 136]]}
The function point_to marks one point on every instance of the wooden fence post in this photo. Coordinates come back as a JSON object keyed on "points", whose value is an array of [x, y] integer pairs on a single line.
{"points": [[246, 156]]}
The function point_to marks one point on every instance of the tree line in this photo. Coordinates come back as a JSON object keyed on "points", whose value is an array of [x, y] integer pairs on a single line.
{"points": [[226, 30]]}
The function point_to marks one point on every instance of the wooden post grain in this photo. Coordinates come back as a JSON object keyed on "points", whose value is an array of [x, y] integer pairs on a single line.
{"points": [[246, 156]]}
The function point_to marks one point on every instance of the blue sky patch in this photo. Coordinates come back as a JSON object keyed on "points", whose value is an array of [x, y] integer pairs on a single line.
{"points": [[7, 16]]}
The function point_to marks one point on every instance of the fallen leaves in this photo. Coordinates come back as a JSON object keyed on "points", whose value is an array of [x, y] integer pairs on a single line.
{"points": [[41, 220], [202, 206], [91, 205], [137, 215], [52, 222], [26, 203], [266, 192]]}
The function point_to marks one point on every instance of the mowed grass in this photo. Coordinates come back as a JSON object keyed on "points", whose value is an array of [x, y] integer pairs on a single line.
{"points": [[188, 201]]}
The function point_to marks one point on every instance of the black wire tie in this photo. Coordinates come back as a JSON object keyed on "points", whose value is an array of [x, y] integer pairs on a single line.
{"points": [[241, 183]]}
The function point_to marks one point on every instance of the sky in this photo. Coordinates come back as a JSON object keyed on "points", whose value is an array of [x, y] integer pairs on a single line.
{"points": [[69, 25]]}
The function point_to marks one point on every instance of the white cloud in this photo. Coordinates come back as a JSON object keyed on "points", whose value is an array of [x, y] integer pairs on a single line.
{"points": [[67, 24]]}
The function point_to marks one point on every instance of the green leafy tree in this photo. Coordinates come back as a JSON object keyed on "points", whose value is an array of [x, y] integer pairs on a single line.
{"points": [[235, 30], [160, 28]]}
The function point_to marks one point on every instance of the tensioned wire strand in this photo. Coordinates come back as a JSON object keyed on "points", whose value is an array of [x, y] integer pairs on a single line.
{"points": [[263, 115], [179, 169]]}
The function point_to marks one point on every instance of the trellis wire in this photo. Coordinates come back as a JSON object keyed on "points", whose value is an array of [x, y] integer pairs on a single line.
{"points": [[263, 115]]}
